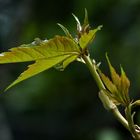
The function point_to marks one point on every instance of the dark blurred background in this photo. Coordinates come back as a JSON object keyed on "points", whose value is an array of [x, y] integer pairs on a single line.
{"points": [[64, 105]]}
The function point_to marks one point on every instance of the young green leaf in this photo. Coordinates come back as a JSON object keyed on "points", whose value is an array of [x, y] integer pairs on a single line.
{"points": [[112, 91], [119, 82], [125, 84], [114, 76], [45, 54], [110, 86], [119, 86], [87, 38]]}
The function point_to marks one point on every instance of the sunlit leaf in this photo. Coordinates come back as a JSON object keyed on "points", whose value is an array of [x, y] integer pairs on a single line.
{"points": [[46, 54], [67, 61], [87, 38], [37, 67], [54, 47]]}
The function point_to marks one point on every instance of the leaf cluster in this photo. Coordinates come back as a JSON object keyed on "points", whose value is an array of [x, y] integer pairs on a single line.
{"points": [[118, 87], [57, 52]]}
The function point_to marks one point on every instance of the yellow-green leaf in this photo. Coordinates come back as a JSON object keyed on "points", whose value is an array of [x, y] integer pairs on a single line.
{"points": [[46, 54], [87, 38], [61, 66], [37, 67], [67, 61], [57, 46]]}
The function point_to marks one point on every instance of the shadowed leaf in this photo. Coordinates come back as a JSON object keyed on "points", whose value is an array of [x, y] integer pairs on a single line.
{"points": [[115, 77], [110, 86], [86, 22], [125, 84]]}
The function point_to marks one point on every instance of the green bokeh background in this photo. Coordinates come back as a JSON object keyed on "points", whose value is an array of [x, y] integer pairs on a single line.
{"points": [[64, 105]]}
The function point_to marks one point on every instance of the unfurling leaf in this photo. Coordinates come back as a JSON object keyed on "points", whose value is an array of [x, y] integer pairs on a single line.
{"points": [[109, 105], [118, 88], [85, 36], [136, 103], [85, 26], [66, 31], [46, 55], [79, 27], [111, 97], [86, 22]]}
